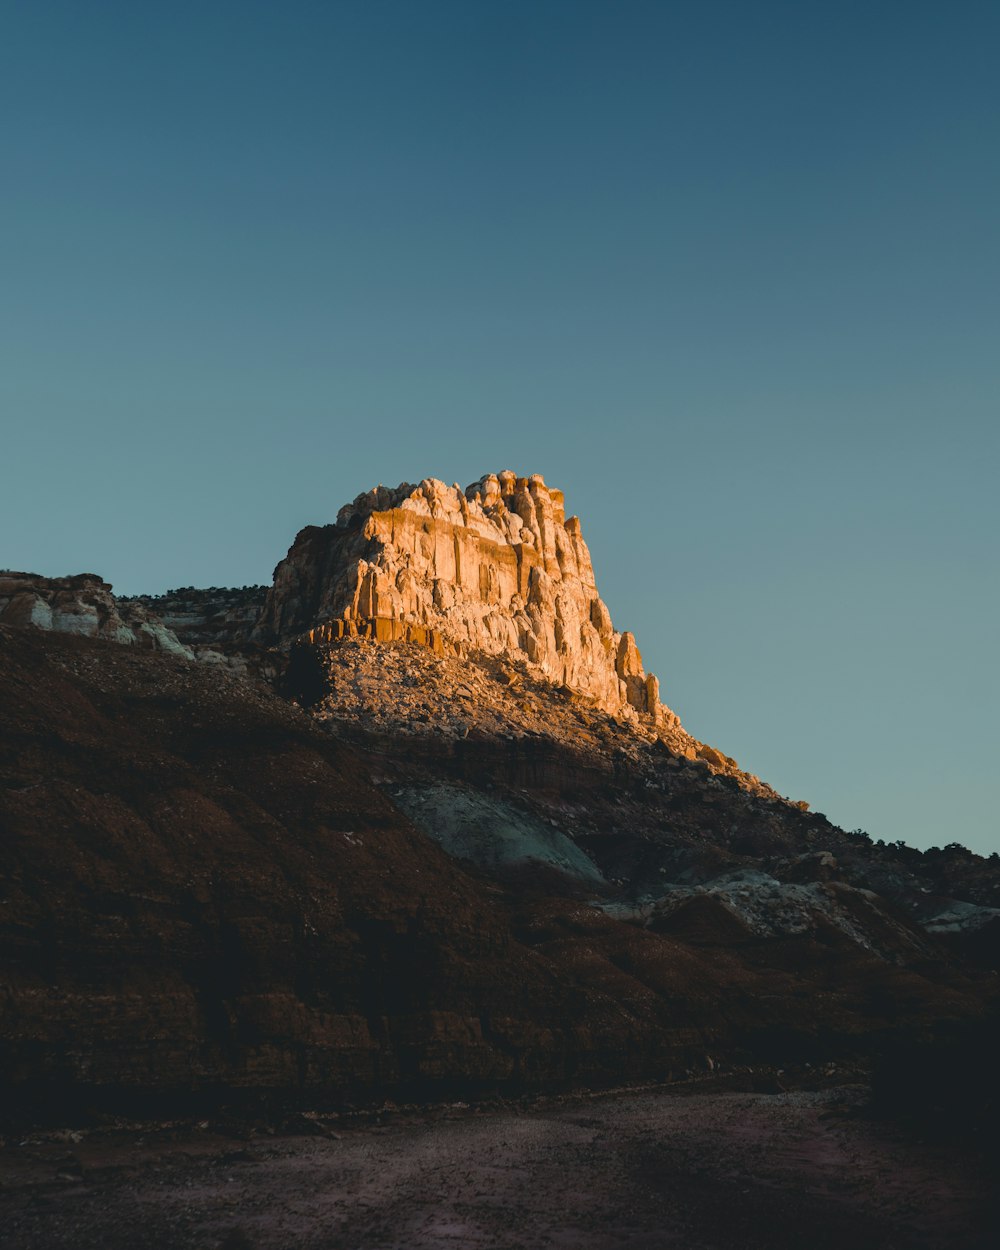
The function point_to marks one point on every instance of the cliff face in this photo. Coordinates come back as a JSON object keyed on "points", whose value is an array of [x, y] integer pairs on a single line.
{"points": [[498, 569]]}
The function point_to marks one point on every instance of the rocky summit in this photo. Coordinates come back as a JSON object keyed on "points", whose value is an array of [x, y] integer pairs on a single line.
{"points": [[496, 569], [494, 572], [413, 818]]}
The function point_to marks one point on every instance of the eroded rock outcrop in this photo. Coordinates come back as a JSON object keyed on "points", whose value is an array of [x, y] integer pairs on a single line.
{"points": [[497, 569], [82, 605]]}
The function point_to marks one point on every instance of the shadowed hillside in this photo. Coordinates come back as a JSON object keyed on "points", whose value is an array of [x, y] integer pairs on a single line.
{"points": [[204, 892]]}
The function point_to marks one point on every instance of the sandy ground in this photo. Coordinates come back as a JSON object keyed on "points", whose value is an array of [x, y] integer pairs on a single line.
{"points": [[629, 1171]]}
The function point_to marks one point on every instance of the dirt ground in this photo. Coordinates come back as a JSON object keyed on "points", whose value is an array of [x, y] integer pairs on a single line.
{"points": [[627, 1171]]}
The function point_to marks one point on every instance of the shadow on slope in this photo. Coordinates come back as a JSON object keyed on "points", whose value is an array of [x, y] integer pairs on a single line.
{"points": [[205, 897]]}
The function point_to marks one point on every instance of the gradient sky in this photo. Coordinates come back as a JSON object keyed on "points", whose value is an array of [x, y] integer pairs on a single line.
{"points": [[727, 273]]}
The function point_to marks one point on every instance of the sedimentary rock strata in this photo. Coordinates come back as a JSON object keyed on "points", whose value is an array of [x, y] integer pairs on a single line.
{"points": [[497, 569]]}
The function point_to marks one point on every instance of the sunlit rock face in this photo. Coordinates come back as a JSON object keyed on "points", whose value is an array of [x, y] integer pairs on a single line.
{"points": [[496, 568], [82, 605]]}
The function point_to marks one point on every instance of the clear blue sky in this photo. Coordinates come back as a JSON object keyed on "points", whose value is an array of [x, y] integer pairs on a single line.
{"points": [[728, 273]]}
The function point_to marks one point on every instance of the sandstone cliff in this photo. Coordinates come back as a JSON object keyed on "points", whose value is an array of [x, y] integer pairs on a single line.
{"points": [[497, 569]]}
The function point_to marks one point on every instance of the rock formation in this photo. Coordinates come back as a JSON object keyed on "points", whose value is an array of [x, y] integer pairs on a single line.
{"points": [[497, 569], [82, 605]]}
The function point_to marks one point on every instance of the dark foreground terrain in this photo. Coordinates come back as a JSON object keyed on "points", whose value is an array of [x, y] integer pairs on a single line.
{"points": [[692, 1169], [204, 893], [220, 909]]}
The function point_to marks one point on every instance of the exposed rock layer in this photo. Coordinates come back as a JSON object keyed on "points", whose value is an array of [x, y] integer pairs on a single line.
{"points": [[497, 568], [83, 605]]}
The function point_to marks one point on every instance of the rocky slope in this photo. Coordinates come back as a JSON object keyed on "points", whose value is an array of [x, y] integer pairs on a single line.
{"points": [[488, 759], [202, 889]]}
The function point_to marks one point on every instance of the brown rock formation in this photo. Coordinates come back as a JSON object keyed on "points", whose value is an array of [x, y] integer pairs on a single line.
{"points": [[496, 569]]}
